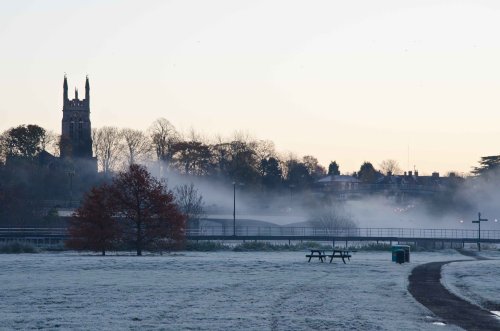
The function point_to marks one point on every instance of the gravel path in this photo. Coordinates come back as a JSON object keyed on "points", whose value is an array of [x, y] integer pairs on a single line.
{"points": [[425, 286]]}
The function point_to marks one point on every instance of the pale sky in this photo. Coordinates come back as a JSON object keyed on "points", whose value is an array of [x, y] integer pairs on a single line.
{"points": [[341, 80]]}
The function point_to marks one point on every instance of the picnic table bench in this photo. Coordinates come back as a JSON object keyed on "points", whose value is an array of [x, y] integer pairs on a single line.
{"points": [[336, 253], [316, 253]]}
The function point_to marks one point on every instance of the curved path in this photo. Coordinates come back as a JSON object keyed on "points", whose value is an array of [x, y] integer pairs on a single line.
{"points": [[425, 286]]}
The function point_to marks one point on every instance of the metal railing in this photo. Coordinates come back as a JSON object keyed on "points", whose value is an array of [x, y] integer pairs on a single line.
{"points": [[346, 232], [37, 232], [284, 231]]}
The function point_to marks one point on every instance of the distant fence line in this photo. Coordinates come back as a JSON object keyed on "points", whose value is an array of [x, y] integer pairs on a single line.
{"points": [[278, 231], [289, 232]]}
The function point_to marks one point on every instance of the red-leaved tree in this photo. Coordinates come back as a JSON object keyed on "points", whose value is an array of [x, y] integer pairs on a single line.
{"points": [[151, 219], [93, 226], [136, 210]]}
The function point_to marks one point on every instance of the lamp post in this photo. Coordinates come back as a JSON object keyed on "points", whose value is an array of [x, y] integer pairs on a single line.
{"points": [[291, 186], [234, 206], [234, 209], [479, 220]]}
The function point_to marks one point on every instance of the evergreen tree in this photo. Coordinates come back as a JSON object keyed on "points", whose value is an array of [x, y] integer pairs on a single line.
{"points": [[333, 169], [487, 164]]}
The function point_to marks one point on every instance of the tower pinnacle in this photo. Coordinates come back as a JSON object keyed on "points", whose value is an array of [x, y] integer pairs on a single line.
{"points": [[87, 89], [65, 89]]}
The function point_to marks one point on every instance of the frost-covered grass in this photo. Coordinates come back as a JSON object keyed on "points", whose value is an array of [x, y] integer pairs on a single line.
{"points": [[211, 291], [476, 281]]}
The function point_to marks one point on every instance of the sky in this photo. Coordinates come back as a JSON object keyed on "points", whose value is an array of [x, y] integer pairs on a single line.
{"points": [[351, 81]]}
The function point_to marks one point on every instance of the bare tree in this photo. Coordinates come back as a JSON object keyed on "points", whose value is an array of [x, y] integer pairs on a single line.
{"points": [[264, 149], [315, 169], [191, 204], [108, 147], [332, 219], [50, 142], [220, 150], [136, 145], [3, 147], [286, 159], [164, 136], [192, 135], [390, 166]]}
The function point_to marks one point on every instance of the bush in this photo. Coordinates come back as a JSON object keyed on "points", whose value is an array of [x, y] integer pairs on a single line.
{"points": [[373, 247], [269, 247], [16, 248], [205, 246]]}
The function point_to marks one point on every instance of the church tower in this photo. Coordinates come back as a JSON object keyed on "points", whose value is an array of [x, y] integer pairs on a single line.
{"points": [[76, 139]]}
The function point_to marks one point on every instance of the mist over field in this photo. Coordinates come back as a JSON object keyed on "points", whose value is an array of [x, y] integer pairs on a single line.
{"points": [[455, 210]]}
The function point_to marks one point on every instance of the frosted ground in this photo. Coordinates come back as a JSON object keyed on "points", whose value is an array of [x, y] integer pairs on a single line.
{"points": [[215, 291], [476, 281]]}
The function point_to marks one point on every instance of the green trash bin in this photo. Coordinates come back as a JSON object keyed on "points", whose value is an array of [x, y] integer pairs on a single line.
{"points": [[405, 249], [400, 256]]}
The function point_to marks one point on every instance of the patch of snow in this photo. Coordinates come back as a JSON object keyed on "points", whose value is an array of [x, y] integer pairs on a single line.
{"points": [[496, 313]]}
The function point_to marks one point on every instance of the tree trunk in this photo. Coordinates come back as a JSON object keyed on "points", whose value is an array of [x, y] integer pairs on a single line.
{"points": [[103, 253], [139, 239]]}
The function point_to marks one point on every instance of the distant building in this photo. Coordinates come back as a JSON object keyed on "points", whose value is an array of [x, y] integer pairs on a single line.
{"points": [[76, 133], [341, 186], [339, 183], [410, 183], [76, 129]]}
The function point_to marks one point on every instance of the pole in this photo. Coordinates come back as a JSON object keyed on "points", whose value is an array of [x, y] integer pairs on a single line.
{"points": [[479, 220], [70, 189], [234, 209], [479, 234]]}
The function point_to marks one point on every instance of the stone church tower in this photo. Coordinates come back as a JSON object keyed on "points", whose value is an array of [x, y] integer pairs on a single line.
{"points": [[76, 138]]}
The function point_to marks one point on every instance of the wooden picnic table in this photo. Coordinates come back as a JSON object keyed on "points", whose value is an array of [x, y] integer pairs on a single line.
{"points": [[336, 253], [320, 254], [341, 254]]}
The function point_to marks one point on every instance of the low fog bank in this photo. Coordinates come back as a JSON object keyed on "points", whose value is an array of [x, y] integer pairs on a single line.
{"points": [[454, 208]]}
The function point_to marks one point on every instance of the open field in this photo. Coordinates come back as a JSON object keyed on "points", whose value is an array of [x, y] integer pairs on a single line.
{"points": [[216, 290]]}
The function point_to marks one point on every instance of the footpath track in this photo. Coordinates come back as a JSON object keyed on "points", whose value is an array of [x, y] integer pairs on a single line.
{"points": [[425, 286]]}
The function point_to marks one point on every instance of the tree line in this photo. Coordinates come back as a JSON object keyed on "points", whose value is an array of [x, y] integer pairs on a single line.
{"points": [[240, 158]]}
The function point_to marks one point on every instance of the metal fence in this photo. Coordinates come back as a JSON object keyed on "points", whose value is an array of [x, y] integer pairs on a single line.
{"points": [[33, 232], [281, 231], [339, 233]]}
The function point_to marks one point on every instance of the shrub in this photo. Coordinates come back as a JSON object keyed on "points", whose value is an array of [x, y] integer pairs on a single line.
{"points": [[16, 248]]}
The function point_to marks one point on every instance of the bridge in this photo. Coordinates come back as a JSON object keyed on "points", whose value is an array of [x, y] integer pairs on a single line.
{"points": [[47, 237]]}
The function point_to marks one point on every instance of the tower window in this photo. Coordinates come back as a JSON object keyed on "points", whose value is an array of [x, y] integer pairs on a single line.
{"points": [[71, 129], [80, 128]]}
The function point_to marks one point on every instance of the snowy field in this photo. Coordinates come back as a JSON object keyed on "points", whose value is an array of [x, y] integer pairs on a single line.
{"points": [[211, 291], [476, 281]]}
